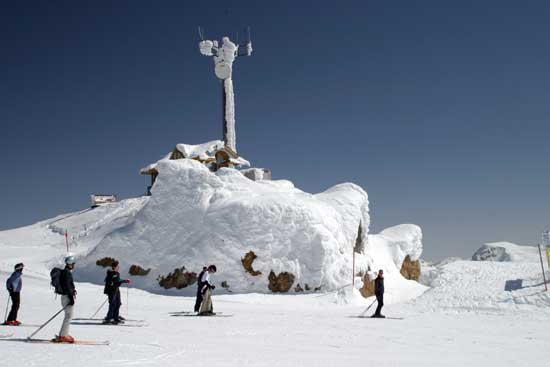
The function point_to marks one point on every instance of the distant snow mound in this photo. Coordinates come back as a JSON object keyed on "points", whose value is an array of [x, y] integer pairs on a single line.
{"points": [[387, 251], [196, 217], [505, 251], [404, 239]]}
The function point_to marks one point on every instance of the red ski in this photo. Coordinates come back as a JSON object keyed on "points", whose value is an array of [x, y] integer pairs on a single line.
{"points": [[52, 341]]}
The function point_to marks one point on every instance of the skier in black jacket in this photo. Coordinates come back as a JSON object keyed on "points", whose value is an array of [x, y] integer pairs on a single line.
{"points": [[14, 285], [68, 296], [200, 284], [112, 290], [379, 293]]}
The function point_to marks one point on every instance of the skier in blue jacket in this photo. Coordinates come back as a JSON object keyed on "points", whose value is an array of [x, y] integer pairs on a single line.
{"points": [[14, 285]]}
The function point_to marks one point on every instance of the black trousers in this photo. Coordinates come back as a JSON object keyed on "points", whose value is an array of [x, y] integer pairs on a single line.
{"points": [[199, 298], [15, 301], [380, 300], [114, 306]]}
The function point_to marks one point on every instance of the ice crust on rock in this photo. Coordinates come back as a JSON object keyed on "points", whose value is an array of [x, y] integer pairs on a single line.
{"points": [[505, 251]]}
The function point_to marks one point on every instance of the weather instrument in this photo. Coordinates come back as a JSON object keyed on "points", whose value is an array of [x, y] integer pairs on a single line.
{"points": [[224, 54]]}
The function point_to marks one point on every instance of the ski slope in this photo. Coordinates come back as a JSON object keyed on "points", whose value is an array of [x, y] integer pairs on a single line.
{"points": [[467, 312], [276, 330]]}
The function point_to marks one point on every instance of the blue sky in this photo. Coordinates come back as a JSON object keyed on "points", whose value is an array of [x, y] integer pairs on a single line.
{"points": [[438, 109]]}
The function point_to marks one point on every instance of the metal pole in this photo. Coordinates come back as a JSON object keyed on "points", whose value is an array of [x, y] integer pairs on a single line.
{"points": [[224, 124], [353, 270], [67, 240], [7, 307], [127, 301], [368, 308], [542, 266], [100, 307], [46, 323]]}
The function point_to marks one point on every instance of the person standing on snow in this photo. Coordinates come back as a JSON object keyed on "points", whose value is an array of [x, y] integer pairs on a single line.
{"points": [[68, 296], [14, 285], [206, 308], [112, 290], [198, 300], [379, 293]]}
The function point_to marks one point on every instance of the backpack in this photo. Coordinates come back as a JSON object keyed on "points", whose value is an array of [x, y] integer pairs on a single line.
{"points": [[55, 276]]}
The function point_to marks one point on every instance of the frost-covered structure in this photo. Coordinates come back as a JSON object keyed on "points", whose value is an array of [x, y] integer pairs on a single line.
{"points": [[214, 154], [224, 55]]}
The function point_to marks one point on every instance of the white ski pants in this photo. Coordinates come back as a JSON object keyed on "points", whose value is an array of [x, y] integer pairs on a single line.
{"points": [[68, 316]]}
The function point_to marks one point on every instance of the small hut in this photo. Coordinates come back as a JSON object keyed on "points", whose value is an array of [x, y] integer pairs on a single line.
{"points": [[213, 154]]}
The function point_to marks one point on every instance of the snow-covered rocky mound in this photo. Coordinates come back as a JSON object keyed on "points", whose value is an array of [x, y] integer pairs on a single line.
{"points": [[505, 251], [196, 217], [511, 281], [263, 236]]}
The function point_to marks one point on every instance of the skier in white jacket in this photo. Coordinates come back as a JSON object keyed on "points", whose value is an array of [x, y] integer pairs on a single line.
{"points": [[206, 308]]}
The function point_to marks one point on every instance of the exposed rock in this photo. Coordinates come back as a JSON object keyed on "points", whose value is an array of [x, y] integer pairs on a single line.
{"points": [[280, 283], [307, 287], [410, 269], [247, 261], [178, 279], [367, 289], [137, 270], [105, 262], [298, 288], [316, 289]]}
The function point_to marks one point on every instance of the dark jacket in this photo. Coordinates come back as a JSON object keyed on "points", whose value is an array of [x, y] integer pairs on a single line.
{"points": [[199, 280], [14, 282], [112, 282], [67, 284], [379, 285]]}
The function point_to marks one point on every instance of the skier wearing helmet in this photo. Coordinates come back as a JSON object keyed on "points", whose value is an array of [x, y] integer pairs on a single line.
{"points": [[14, 285], [68, 296]]}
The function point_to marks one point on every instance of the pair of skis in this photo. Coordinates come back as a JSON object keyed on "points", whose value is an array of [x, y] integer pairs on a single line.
{"points": [[8, 337], [195, 314], [100, 322]]}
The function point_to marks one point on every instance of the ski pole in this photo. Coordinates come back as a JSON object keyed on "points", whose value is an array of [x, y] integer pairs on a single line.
{"points": [[100, 307], [368, 308], [46, 323], [127, 301], [7, 307]]}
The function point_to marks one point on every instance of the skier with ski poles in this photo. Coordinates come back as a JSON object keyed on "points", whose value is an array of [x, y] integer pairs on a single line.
{"points": [[206, 308], [379, 293], [66, 288], [112, 290], [14, 284], [198, 299]]}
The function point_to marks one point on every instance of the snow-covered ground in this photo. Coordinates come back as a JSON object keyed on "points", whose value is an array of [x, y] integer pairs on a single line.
{"points": [[276, 330], [479, 313], [465, 318]]}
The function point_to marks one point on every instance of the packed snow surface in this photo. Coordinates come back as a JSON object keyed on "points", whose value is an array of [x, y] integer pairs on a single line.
{"points": [[283, 330]]}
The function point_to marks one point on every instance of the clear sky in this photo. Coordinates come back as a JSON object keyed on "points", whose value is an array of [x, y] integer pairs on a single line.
{"points": [[438, 109]]}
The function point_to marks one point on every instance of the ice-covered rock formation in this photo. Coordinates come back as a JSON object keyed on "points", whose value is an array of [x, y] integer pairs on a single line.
{"points": [[505, 251], [196, 217], [388, 251]]}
